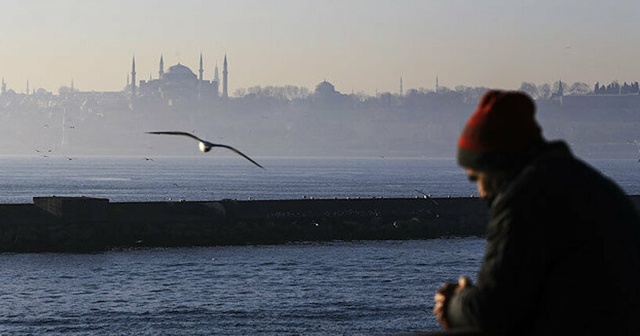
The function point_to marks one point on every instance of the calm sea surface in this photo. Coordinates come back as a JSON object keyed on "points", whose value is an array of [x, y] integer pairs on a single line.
{"points": [[338, 288]]}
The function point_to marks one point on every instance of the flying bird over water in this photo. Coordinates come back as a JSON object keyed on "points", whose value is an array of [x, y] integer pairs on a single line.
{"points": [[206, 146]]}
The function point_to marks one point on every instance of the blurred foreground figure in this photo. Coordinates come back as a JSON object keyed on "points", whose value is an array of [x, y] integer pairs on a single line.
{"points": [[563, 241]]}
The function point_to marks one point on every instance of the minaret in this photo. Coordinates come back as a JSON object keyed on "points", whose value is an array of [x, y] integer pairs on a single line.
{"points": [[436, 84], [560, 92], [161, 70], [200, 79], [4, 87], [133, 78], [401, 89], [201, 71], [560, 88], [27, 87], [225, 73]]}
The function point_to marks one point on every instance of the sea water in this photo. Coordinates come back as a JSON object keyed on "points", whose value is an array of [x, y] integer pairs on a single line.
{"points": [[135, 179], [334, 288]]}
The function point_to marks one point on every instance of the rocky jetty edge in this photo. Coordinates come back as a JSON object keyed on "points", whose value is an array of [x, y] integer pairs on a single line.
{"points": [[84, 224]]}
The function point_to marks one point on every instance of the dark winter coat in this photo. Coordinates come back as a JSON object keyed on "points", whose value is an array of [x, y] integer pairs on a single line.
{"points": [[562, 255]]}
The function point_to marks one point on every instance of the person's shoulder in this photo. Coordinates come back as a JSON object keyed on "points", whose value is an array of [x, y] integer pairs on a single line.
{"points": [[542, 176], [563, 175]]}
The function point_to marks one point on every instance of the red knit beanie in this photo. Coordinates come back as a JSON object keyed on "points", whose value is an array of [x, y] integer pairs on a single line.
{"points": [[501, 127]]}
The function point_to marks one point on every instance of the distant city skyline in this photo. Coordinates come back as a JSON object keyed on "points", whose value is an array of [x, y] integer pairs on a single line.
{"points": [[357, 45], [144, 84]]}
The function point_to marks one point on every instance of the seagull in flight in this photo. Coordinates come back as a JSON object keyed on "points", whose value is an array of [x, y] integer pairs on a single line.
{"points": [[206, 146]]}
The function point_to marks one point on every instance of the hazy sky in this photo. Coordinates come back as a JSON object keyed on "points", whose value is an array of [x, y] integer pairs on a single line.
{"points": [[358, 45]]}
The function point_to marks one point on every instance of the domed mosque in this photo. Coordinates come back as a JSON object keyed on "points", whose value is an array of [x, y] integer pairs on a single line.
{"points": [[179, 84]]}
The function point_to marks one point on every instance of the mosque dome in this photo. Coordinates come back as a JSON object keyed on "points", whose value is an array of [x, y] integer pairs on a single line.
{"points": [[179, 72], [325, 88]]}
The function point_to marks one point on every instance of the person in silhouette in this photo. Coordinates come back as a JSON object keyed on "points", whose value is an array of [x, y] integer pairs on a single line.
{"points": [[563, 241]]}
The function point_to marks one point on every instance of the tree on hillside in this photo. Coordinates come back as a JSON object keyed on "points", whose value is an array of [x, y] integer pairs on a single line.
{"points": [[531, 89], [578, 88], [470, 95], [544, 91], [287, 92]]}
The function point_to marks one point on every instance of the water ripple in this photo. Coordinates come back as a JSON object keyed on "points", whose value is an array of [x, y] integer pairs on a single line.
{"points": [[355, 288]]}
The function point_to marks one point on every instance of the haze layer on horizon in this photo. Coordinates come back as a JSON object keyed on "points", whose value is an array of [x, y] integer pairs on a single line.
{"points": [[358, 45]]}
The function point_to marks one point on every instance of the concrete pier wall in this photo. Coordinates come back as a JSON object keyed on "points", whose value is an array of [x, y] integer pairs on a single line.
{"points": [[80, 224]]}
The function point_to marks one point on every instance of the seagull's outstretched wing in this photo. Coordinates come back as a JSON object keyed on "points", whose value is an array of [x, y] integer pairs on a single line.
{"points": [[207, 144], [238, 152], [178, 133]]}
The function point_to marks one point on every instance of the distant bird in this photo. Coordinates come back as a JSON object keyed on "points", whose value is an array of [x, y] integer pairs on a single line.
{"points": [[427, 196], [206, 146]]}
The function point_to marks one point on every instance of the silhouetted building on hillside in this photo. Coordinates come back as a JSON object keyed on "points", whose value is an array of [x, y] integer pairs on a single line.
{"points": [[326, 96], [179, 85]]}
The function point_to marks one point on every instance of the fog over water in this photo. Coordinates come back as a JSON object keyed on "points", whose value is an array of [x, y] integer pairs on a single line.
{"points": [[402, 88], [414, 125]]}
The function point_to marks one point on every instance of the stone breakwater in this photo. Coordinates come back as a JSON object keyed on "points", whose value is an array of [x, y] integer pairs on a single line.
{"points": [[81, 224]]}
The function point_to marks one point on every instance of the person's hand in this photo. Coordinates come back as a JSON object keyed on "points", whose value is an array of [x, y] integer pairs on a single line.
{"points": [[463, 283], [442, 297], [441, 301]]}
